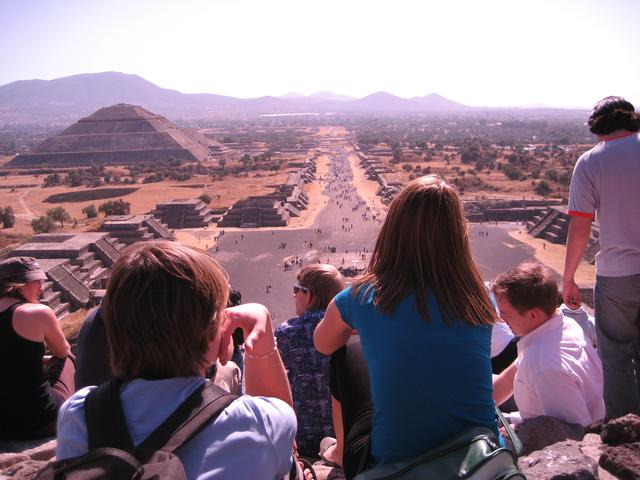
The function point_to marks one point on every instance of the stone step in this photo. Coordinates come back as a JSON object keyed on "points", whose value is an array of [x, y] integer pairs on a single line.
{"points": [[84, 258], [52, 300], [91, 266], [47, 288], [61, 310]]}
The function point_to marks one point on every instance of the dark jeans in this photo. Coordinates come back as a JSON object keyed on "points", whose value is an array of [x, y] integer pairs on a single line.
{"points": [[349, 377], [59, 373], [617, 311]]}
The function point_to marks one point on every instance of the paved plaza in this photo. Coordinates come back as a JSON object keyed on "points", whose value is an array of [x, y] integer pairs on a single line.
{"points": [[258, 261]]}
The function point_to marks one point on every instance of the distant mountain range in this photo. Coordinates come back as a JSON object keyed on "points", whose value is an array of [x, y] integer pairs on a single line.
{"points": [[32, 100]]}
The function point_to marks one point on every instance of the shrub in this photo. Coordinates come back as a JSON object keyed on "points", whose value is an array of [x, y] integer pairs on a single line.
{"points": [[43, 224], [116, 207], [7, 216], [543, 188], [206, 198], [90, 211]]}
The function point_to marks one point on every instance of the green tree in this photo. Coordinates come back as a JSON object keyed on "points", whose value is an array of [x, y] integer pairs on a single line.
{"points": [[43, 224], [7, 216], [74, 178], [59, 214], [52, 180], [90, 211], [206, 198], [117, 207], [542, 188]]}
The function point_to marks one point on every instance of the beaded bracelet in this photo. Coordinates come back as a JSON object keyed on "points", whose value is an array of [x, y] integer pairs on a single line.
{"points": [[265, 355]]}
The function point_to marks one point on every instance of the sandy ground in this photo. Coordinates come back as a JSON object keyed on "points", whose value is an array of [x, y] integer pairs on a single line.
{"points": [[367, 189], [201, 238], [552, 255]]}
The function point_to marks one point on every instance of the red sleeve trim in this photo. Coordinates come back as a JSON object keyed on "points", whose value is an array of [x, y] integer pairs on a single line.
{"points": [[573, 213]]}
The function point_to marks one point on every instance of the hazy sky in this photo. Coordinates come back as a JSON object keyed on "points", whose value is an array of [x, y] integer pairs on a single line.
{"points": [[478, 52]]}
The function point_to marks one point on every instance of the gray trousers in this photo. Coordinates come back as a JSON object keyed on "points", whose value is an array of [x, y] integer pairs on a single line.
{"points": [[617, 311]]}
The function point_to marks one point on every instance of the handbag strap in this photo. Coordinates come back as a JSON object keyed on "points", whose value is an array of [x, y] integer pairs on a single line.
{"points": [[515, 441]]}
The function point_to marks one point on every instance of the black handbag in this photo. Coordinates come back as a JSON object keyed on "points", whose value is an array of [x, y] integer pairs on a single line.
{"points": [[475, 455]]}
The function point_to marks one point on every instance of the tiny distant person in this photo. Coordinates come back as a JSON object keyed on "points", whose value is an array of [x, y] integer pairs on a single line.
{"points": [[308, 369], [33, 386], [173, 298], [558, 372], [605, 187]]}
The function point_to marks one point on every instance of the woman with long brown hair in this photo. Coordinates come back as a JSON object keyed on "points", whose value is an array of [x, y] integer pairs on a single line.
{"points": [[424, 321]]}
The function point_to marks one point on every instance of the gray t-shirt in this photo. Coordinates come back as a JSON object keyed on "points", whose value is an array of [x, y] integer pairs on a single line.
{"points": [[606, 183]]}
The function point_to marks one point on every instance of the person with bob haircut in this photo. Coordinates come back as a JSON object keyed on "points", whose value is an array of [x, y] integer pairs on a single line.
{"points": [[166, 323], [604, 187], [31, 395], [557, 372], [424, 321], [308, 370]]}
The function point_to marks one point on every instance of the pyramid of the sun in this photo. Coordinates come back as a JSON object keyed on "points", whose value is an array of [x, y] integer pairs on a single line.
{"points": [[118, 135]]}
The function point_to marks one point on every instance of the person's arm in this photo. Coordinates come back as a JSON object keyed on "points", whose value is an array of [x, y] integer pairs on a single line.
{"points": [[503, 384], [52, 333], [264, 371], [332, 332], [577, 238]]}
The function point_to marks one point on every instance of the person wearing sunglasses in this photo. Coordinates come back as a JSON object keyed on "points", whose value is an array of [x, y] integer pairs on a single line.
{"points": [[307, 369]]}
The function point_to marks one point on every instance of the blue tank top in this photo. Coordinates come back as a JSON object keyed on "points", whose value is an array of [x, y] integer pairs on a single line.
{"points": [[429, 380]]}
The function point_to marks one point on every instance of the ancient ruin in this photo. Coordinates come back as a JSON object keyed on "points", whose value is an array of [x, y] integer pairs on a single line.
{"points": [[77, 267], [273, 210], [184, 213], [552, 224], [118, 135], [129, 229]]}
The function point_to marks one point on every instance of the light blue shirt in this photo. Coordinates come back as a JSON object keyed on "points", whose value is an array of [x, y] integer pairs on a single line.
{"points": [[251, 438]]}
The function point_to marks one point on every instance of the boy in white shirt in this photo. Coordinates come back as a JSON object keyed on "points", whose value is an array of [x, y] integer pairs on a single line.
{"points": [[557, 372]]}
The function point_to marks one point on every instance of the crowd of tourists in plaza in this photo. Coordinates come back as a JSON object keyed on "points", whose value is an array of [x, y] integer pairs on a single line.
{"points": [[416, 350]]}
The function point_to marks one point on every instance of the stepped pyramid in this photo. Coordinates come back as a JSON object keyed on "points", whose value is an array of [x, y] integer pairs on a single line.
{"points": [[120, 134]]}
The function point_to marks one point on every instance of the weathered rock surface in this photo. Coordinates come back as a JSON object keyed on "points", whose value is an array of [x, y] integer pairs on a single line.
{"points": [[623, 461], [560, 461], [540, 432], [622, 430], [591, 446]]}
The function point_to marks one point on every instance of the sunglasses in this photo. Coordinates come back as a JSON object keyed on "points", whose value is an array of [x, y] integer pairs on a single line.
{"points": [[299, 288]]}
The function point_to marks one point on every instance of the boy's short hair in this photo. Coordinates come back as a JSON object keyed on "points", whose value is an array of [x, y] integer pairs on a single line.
{"points": [[162, 307], [529, 285], [324, 281]]}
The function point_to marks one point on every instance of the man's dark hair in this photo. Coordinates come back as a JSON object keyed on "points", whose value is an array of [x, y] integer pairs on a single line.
{"points": [[529, 285], [611, 114]]}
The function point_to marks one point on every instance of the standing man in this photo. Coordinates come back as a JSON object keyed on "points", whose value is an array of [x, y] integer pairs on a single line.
{"points": [[606, 184]]}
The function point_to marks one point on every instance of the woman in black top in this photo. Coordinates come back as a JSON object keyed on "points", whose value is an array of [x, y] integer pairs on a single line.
{"points": [[32, 386]]}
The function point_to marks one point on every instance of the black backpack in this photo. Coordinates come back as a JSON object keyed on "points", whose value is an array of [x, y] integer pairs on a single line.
{"points": [[111, 451]]}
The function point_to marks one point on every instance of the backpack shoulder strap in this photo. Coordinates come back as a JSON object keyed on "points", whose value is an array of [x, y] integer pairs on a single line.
{"points": [[106, 425], [202, 407]]}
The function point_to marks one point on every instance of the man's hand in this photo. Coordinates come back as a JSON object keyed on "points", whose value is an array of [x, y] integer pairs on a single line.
{"points": [[571, 293]]}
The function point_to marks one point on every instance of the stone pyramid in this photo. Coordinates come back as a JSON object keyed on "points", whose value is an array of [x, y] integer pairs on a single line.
{"points": [[117, 135]]}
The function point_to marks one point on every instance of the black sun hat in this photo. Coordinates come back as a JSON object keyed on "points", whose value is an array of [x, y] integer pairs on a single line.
{"points": [[21, 270]]}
